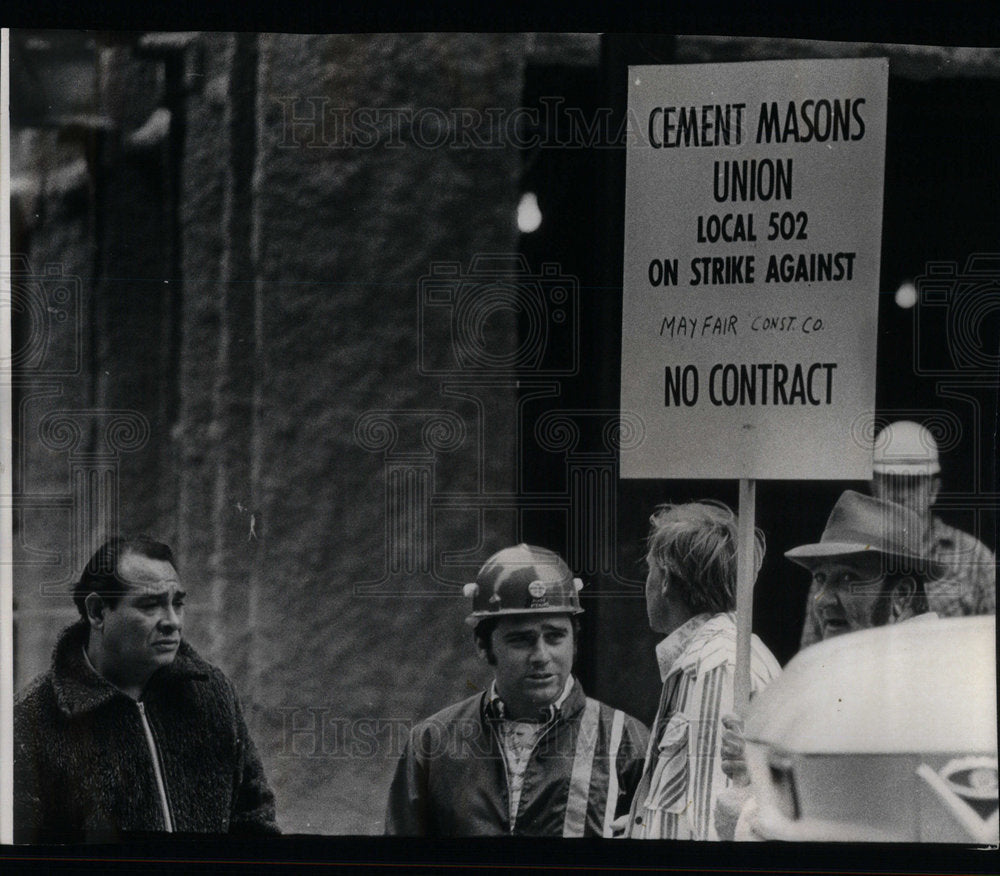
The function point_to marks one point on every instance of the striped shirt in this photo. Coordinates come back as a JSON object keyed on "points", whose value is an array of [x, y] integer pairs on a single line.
{"points": [[682, 776], [967, 584]]}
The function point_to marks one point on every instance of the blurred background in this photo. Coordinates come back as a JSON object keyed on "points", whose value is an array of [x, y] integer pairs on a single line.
{"points": [[339, 316]]}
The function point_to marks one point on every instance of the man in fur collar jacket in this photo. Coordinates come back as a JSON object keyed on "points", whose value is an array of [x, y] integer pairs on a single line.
{"points": [[130, 730]]}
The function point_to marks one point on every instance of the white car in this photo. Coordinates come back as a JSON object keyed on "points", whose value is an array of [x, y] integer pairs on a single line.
{"points": [[889, 734]]}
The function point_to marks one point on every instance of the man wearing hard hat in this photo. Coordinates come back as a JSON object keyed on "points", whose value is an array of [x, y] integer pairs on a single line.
{"points": [[531, 755], [906, 471]]}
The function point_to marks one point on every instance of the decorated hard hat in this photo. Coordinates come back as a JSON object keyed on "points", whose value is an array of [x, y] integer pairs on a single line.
{"points": [[523, 579], [905, 448]]}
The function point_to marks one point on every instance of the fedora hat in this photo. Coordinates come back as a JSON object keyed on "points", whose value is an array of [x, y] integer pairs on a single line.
{"points": [[867, 528]]}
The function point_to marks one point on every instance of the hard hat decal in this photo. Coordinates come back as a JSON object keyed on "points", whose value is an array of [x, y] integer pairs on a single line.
{"points": [[537, 589], [522, 580]]}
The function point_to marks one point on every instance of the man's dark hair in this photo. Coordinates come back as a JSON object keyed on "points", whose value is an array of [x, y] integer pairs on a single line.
{"points": [[100, 575], [483, 634]]}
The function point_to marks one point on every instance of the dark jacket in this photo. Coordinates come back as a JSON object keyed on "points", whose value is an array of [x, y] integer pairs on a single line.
{"points": [[452, 779], [83, 767]]}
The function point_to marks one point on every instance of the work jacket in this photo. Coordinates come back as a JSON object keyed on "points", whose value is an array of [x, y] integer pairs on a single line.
{"points": [[91, 763], [451, 779]]}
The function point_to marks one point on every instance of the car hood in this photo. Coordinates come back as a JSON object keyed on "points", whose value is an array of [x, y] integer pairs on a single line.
{"points": [[923, 686]]}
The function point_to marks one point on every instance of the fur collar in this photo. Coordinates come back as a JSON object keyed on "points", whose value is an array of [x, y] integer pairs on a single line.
{"points": [[79, 689]]}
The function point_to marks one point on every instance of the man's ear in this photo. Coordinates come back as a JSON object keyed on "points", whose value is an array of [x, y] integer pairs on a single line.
{"points": [[485, 653], [481, 651], [95, 610], [901, 599]]}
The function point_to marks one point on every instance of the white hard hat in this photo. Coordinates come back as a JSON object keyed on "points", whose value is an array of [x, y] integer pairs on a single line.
{"points": [[905, 448]]}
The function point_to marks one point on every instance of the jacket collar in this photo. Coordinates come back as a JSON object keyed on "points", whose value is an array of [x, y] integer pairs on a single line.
{"points": [[79, 688], [570, 702], [673, 645]]}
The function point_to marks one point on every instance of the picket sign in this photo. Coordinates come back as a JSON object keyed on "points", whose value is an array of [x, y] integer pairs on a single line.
{"points": [[752, 244]]}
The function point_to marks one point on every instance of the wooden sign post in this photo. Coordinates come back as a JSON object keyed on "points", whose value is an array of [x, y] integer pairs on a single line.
{"points": [[746, 575]]}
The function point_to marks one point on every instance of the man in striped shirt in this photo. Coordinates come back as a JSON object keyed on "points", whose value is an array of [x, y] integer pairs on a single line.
{"points": [[691, 597]]}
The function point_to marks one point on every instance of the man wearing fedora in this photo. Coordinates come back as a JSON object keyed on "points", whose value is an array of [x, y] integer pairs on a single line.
{"points": [[531, 755], [868, 569], [906, 471]]}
